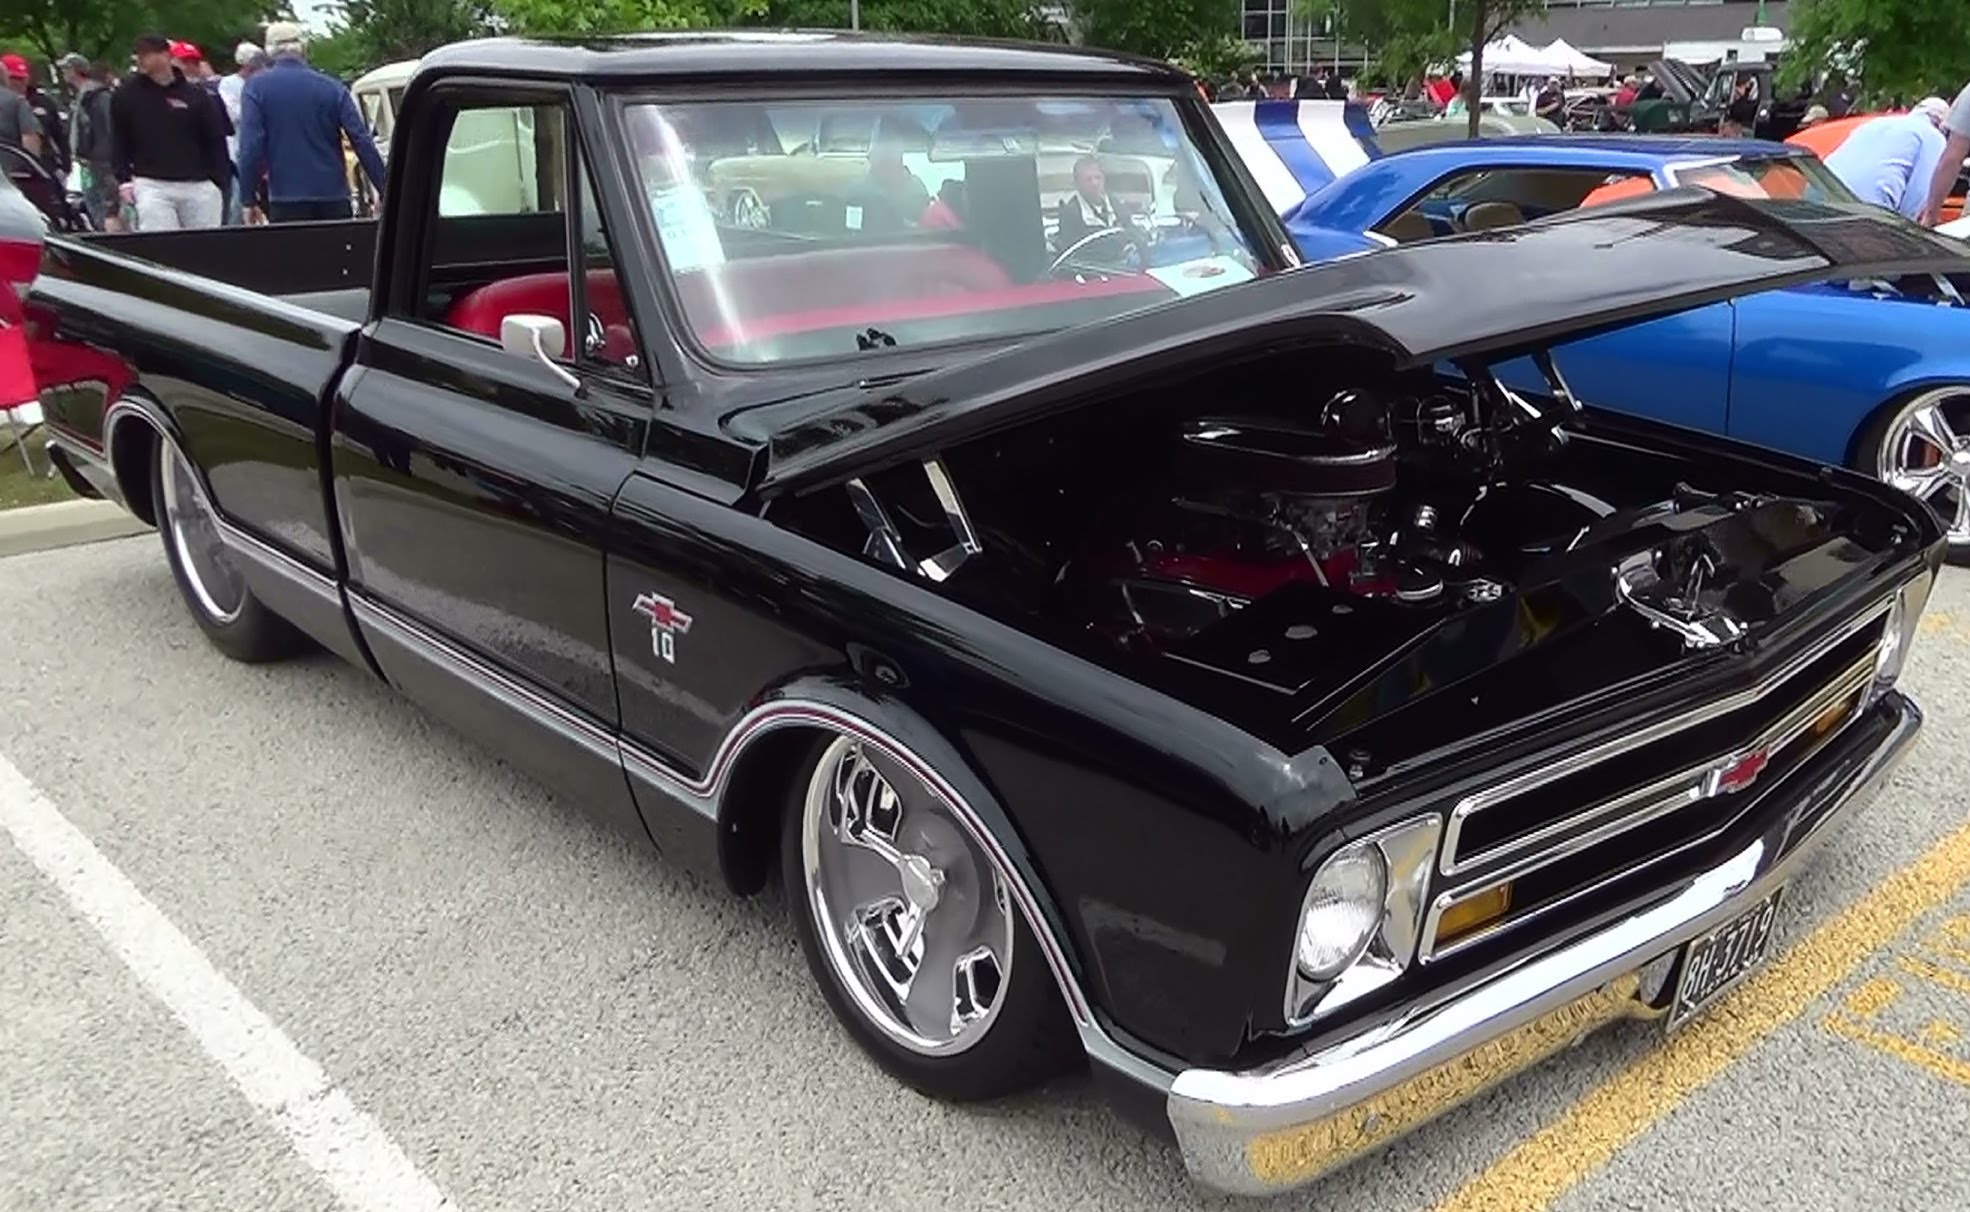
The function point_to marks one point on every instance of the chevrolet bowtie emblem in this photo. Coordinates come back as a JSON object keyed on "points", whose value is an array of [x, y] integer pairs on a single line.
{"points": [[667, 622], [1739, 771]]}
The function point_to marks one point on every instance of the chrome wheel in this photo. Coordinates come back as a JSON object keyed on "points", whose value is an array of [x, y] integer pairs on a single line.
{"points": [[911, 915], [193, 531], [749, 210], [1925, 451]]}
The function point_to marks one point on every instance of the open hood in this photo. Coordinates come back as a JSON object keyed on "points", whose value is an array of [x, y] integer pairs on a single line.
{"points": [[1488, 296]]}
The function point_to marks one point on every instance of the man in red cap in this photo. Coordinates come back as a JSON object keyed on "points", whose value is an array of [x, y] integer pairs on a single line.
{"points": [[36, 128]]}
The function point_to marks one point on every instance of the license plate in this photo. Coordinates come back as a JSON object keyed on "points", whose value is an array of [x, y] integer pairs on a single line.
{"points": [[1720, 959]]}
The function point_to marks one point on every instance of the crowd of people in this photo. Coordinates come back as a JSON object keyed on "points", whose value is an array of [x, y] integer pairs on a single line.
{"points": [[171, 143]]}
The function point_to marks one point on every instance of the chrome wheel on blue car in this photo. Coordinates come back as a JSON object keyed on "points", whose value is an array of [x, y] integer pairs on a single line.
{"points": [[1923, 449]]}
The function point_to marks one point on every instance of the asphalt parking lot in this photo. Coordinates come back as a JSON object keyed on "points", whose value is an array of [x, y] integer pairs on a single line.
{"points": [[273, 940]]}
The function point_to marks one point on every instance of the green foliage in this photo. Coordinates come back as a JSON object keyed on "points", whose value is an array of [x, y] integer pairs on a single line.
{"points": [[384, 31], [1483, 21], [341, 53], [104, 29], [1160, 29], [1407, 37], [621, 16], [1901, 47], [1226, 58], [975, 18]]}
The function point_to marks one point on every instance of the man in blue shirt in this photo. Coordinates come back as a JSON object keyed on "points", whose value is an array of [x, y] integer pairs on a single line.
{"points": [[292, 120], [1889, 161], [1950, 166]]}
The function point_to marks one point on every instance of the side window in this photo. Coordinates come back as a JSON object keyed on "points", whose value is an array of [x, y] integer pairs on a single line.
{"points": [[514, 237], [494, 163], [1490, 198]]}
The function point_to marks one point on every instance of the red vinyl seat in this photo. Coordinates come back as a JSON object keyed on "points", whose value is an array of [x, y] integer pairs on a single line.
{"points": [[768, 290], [481, 311]]}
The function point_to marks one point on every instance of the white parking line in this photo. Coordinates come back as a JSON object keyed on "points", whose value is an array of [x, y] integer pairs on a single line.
{"points": [[345, 1146]]}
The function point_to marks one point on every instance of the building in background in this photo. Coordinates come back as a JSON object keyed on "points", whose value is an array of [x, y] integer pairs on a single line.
{"points": [[1631, 33], [1627, 33], [1293, 44]]}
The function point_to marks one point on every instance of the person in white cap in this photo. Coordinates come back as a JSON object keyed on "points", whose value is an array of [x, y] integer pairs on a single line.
{"points": [[293, 120], [1949, 166], [1889, 160], [248, 58]]}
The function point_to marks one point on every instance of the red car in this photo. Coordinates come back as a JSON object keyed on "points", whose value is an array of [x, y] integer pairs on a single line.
{"points": [[21, 231]]}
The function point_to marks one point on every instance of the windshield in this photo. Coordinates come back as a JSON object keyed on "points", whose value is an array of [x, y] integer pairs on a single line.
{"points": [[824, 228], [1774, 177]]}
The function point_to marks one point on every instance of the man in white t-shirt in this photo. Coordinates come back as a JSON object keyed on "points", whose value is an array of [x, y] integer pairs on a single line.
{"points": [[248, 58], [1950, 167]]}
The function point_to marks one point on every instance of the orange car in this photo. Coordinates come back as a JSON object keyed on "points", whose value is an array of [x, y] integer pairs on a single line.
{"points": [[1822, 137]]}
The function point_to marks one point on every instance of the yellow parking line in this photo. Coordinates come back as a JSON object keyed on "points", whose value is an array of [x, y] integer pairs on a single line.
{"points": [[1588, 1134]]}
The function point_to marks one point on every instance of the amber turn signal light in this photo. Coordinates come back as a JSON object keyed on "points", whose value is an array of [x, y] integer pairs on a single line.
{"points": [[1473, 913]]}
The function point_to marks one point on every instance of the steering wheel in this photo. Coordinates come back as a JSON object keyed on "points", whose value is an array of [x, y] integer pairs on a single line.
{"points": [[1091, 238]]}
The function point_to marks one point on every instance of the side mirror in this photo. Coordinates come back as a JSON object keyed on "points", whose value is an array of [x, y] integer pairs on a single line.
{"points": [[531, 337]]}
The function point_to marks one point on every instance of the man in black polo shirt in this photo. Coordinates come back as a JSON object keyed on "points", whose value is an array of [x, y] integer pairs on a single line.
{"points": [[171, 159]]}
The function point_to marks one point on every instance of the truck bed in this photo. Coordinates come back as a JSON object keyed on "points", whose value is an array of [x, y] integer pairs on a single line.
{"points": [[324, 267], [329, 267]]}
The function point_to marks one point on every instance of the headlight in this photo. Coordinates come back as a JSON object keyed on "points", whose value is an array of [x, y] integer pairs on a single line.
{"points": [[1898, 630], [1360, 917], [1343, 908]]}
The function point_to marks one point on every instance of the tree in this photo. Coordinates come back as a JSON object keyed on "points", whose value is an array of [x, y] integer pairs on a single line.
{"points": [[1415, 34], [1160, 29], [1901, 48], [1485, 20], [617, 16], [104, 29], [384, 31], [973, 18], [1410, 37]]}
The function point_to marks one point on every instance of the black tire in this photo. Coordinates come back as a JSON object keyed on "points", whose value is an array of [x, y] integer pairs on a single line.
{"points": [[250, 633], [1029, 1039]]}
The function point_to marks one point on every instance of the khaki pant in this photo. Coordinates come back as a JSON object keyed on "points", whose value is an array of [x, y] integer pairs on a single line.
{"points": [[175, 205]]}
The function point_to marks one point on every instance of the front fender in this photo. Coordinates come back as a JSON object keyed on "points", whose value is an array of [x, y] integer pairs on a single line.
{"points": [[884, 721], [1814, 365]]}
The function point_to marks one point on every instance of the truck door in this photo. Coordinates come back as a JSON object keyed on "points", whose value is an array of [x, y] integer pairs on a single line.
{"points": [[473, 485]]}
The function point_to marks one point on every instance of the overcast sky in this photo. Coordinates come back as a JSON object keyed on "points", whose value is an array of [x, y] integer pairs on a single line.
{"points": [[312, 13]]}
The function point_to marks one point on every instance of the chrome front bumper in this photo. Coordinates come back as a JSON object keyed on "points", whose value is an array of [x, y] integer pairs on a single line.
{"points": [[1288, 1123]]}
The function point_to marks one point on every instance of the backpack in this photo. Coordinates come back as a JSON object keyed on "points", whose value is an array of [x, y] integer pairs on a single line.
{"points": [[93, 143]]}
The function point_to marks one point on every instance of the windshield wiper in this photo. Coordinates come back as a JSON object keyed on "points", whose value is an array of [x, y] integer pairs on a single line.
{"points": [[874, 338]]}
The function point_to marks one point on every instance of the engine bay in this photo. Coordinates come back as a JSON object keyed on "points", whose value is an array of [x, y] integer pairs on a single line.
{"points": [[1357, 543]]}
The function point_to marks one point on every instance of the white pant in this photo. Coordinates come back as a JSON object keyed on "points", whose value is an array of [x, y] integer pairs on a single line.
{"points": [[171, 205]]}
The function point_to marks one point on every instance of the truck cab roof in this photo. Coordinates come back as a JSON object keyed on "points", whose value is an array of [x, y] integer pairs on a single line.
{"points": [[776, 54]]}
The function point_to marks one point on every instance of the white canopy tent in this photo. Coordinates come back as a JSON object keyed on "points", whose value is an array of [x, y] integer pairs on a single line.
{"points": [[1510, 56], [1565, 60]]}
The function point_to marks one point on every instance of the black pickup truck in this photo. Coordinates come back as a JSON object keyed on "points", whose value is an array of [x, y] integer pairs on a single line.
{"points": [[922, 472]]}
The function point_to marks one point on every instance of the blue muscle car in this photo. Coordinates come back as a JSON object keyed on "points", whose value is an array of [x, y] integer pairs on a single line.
{"points": [[1870, 374]]}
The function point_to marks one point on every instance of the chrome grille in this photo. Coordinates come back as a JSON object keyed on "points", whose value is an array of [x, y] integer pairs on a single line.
{"points": [[1527, 831]]}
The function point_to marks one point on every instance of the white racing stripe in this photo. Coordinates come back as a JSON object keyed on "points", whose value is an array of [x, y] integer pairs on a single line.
{"points": [[1276, 181], [367, 1171], [1326, 131]]}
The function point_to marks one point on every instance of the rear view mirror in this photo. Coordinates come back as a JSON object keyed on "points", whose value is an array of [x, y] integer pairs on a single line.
{"points": [[531, 337]]}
